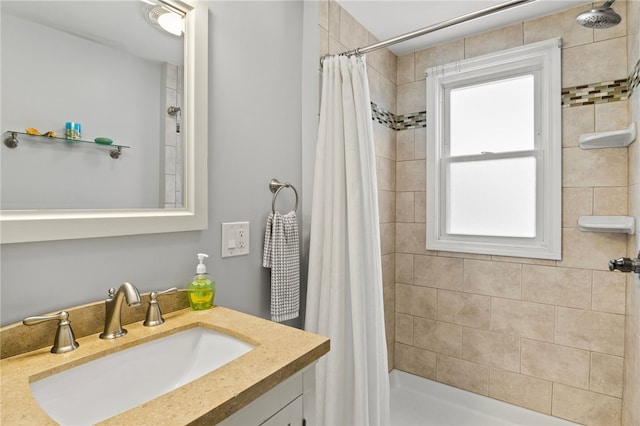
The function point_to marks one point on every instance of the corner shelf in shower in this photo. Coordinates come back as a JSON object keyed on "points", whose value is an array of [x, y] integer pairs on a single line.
{"points": [[11, 141], [614, 224], [609, 139]]}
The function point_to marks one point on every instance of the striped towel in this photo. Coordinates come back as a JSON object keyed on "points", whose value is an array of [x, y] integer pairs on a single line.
{"points": [[282, 255]]}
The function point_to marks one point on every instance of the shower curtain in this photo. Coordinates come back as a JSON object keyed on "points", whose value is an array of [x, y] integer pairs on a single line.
{"points": [[344, 293]]}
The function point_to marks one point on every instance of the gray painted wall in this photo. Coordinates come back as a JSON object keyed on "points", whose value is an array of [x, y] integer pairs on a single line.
{"points": [[255, 133]]}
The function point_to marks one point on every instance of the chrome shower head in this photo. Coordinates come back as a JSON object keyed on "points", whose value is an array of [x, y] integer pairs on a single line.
{"points": [[599, 17]]}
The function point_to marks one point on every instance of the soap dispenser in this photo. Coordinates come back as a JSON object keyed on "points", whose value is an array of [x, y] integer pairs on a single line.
{"points": [[202, 289]]}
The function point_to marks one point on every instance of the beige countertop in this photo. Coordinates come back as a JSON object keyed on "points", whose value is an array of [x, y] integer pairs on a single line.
{"points": [[280, 351]]}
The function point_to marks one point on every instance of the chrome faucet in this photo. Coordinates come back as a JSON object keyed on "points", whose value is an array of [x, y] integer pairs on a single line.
{"points": [[112, 320]]}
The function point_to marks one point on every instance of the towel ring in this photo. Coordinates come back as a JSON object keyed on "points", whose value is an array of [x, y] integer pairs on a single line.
{"points": [[275, 186]]}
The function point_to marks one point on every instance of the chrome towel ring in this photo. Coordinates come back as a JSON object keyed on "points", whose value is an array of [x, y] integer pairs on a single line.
{"points": [[275, 186]]}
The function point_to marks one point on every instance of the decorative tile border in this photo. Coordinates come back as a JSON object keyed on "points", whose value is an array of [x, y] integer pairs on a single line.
{"points": [[414, 120], [634, 78], [587, 94], [595, 93]]}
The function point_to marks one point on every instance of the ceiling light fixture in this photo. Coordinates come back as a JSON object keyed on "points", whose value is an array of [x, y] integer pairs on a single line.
{"points": [[166, 19]]}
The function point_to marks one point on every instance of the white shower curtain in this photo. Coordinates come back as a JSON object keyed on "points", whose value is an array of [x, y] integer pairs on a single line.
{"points": [[344, 294]]}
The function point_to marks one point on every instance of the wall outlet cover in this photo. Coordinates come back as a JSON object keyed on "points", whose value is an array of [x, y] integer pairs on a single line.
{"points": [[235, 239]]}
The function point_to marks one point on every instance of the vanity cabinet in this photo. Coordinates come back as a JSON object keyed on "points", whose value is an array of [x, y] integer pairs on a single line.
{"points": [[281, 406]]}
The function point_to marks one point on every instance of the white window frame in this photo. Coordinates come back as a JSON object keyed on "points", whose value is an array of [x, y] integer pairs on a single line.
{"points": [[543, 60]]}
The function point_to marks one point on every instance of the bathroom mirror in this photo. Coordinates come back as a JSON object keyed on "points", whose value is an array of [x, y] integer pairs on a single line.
{"points": [[85, 218]]}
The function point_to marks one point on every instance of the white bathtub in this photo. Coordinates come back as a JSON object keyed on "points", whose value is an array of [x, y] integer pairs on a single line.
{"points": [[417, 401]]}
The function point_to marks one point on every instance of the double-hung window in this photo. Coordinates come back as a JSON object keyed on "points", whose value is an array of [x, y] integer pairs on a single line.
{"points": [[494, 153]]}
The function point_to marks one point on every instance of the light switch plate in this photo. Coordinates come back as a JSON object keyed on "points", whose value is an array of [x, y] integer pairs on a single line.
{"points": [[235, 239]]}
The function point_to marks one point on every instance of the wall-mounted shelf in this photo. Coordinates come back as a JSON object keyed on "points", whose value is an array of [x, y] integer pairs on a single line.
{"points": [[610, 139], [11, 141], [615, 224]]}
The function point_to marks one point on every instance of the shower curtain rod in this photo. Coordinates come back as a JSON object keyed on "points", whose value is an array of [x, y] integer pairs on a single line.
{"points": [[439, 26]]}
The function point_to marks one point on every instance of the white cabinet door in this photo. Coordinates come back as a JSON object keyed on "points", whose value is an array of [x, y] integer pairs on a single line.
{"points": [[291, 415]]}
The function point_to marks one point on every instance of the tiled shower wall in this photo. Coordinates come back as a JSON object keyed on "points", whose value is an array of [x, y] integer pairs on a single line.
{"points": [[545, 335], [631, 394]]}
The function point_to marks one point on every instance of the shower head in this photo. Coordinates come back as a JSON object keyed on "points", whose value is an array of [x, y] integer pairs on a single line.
{"points": [[599, 17]]}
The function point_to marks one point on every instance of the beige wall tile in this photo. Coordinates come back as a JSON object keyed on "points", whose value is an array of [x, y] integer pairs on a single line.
{"points": [[608, 292], [412, 97], [323, 14], [610, 201], [557, 286], [404, 329], [579, 66], [387, 206], [438, 55], [416, 300], [575, 122], [633, 27], [387, 238], [619, 30], [323, 42], [525, 391], [389, 95], [634, 159], [375, 91], [489, 348], [405, 145], [494, 41], [523, 260], [415, 361], [352, 33], [404, 268], [606, 374], [612, 116], [405, 206], [382, 60], [411, 238], [438, 272], [385, 141], [492, 278], [386, 174], [560, 24], [463, 374], [420, 211], [465, 255], [438, 336], [411, 175], [555, 363], [594, 167], [334, 19], [594, 331], [466, 309], [590, 250], [576, 202], [335, 47], [585, 407], [524, 319], [421, 143], [406, 66]]}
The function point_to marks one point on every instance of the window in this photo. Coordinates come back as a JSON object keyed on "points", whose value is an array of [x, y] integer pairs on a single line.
{"points": [[494, 153]]}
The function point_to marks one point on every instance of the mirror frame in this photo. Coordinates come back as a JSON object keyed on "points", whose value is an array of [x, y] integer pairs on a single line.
{"points": [[19, 226]]}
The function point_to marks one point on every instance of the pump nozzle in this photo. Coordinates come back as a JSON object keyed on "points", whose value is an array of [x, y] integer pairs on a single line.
{"points": [[201, 268]]}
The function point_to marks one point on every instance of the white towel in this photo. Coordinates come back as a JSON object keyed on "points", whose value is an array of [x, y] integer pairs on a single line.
{"points": [[282, 255]]}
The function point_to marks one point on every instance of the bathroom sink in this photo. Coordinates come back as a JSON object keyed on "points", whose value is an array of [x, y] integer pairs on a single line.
{"points": [[97, 390]]}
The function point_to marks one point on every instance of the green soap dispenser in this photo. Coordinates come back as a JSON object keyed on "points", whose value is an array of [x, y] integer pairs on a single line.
{"points": [[202, 289]]}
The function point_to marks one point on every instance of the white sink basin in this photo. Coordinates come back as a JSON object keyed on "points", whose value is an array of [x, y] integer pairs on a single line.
{"points": [[110, 385]]}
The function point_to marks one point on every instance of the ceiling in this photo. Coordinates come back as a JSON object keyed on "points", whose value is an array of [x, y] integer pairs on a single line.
{"points": [[122, 25], [387, 19]]}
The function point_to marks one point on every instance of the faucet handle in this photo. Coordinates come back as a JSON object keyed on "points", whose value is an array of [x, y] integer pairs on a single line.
{"points": [[64, 341], [154, 315]]}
